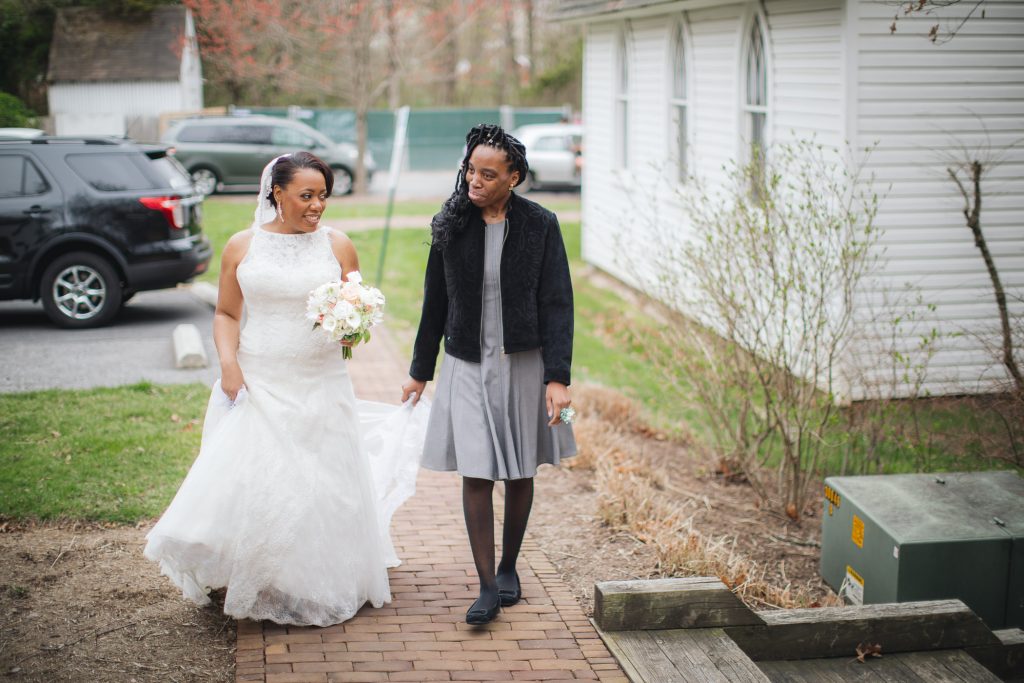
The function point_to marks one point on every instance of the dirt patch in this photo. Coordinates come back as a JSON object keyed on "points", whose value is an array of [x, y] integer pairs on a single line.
{"points": [[81, 603], [570, 522]]}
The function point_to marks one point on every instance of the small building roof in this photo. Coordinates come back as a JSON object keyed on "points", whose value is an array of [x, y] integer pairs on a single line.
{"points": [[92, 46]]}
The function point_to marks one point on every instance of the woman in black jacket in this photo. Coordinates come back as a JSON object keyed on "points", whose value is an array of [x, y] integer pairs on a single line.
{"points": [[497, 289]]}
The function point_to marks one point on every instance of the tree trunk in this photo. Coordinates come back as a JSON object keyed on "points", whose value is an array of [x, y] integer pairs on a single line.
{"points": [[394, 80], [362, 66], [530, 54], [450, 55], [506, 70], [972, 212]]}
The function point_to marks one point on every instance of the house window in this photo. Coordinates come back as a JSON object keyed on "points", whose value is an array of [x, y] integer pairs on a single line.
{"points": [[755, 100], [622, 102], [679, 104]]}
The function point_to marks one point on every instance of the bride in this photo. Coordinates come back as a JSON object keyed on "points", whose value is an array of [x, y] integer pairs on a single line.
{"points": [[288, 504]]}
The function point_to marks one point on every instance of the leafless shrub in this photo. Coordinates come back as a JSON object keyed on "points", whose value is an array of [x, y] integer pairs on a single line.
{"points": [[762, 285]]}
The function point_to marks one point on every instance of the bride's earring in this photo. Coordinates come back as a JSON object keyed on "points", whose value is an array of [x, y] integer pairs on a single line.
{"points": [[280, 214]]}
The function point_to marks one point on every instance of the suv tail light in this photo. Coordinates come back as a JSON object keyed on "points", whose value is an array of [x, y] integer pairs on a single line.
{"points": [[170, 207]]}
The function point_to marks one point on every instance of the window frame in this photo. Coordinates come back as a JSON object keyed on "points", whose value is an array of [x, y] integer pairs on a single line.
{"points": [[133, 167], [27, 163], [748, 112], [680, 107], [623, 94]]}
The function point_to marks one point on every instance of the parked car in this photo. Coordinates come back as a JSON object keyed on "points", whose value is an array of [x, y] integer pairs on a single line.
{"points": [[224, 151], [86, 223], [555, 154]]}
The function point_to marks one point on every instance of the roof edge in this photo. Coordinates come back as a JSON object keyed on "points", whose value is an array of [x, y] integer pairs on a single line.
{"points": [[622, 9]]}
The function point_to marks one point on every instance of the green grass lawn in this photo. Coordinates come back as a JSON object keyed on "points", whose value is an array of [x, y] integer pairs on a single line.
{"points": [[105, 454]]}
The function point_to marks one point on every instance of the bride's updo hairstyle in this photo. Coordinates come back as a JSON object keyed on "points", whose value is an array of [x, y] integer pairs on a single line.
{"points": [[286, 167], [457, 210]]}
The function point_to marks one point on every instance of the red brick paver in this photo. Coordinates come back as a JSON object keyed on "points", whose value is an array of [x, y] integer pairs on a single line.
{"points": [[422, 635]]}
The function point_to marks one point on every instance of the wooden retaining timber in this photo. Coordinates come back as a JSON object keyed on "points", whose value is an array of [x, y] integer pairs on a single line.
{"points": [[696, 629], [696, 602], [835, 631], [1006, 660]]}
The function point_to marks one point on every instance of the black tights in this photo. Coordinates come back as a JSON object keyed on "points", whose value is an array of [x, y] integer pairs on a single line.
{"points": [[478, 508]]}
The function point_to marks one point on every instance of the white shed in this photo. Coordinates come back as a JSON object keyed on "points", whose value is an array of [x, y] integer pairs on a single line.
{"points": [[775, 70], [115, 75]]}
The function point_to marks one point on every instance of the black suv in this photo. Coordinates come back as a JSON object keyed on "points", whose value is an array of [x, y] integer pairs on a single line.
{"points": [[86, 223]]}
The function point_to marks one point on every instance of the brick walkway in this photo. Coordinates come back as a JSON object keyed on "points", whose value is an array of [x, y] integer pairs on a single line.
{"points": [[422, 635]]}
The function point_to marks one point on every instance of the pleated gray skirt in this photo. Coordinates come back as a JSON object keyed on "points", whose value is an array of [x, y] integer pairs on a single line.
{"points": [[489, 419]]}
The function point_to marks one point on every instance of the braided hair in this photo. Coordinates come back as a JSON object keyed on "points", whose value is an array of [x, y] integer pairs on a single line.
{"points": [[457, 210]]}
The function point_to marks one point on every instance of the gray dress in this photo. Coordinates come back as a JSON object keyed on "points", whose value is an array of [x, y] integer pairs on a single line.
{"points": [[489, 419]]}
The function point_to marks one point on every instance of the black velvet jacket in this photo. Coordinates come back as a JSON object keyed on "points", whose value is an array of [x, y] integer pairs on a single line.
{"points": [[536, 293]]}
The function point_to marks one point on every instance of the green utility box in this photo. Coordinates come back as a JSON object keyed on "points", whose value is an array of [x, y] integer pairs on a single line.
{"points": [[905, 537]]}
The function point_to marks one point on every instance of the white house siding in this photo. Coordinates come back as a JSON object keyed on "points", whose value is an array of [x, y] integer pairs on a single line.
{"points": [[920, 102], [115, 108], [805, 49], [618, 204], [601, 200], [714, 102], [805, 40]]}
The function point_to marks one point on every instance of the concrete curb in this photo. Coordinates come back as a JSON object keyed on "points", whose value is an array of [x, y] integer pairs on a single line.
{"points": [[189, 351], [188, 347]]}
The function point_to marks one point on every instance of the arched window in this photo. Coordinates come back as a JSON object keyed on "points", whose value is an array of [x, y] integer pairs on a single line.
{"points": [[755, 99], [680, 101], [622, 101]]}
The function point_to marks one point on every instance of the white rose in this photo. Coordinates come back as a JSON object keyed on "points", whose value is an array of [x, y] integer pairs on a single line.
{"points": [[355, 277], [353, 320]]}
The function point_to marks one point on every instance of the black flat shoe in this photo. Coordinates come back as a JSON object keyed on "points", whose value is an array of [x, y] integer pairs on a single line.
{"points": [[481, 615], [508, 597]]}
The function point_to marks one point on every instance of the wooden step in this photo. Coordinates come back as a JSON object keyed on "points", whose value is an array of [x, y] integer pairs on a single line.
{"points": [[705, 655]]}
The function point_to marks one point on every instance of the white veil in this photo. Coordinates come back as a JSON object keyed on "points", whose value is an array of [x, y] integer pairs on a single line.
{"points": [[265, 211]]}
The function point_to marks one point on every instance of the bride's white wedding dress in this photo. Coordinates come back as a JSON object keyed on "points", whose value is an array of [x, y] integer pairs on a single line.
{"points": [[289, 501]]}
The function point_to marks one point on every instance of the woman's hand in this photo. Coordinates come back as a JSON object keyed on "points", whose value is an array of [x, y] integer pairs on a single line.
{"points": [[557, 397], [231, 380], [413, 386]]}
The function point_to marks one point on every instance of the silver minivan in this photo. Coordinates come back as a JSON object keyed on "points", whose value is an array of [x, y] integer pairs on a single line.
{"points": [[229, 152], [555, 154]]}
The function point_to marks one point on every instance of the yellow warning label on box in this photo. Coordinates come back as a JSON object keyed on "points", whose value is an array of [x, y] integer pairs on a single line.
{"points": [[858, 531], [853, 587]]}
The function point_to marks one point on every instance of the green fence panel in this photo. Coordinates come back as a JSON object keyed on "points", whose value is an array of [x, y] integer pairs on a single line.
{"points": [[436, 136]]}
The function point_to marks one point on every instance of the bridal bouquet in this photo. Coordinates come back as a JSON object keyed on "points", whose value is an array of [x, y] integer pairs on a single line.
{"points": [[346, 311]]}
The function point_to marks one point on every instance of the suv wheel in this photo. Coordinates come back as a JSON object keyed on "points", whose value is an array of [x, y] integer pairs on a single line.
{"points": [[81, 290], [205, 180], [344, 181]]}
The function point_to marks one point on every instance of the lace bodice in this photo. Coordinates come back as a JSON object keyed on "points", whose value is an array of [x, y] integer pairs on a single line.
{"points": [[276, 276]]}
